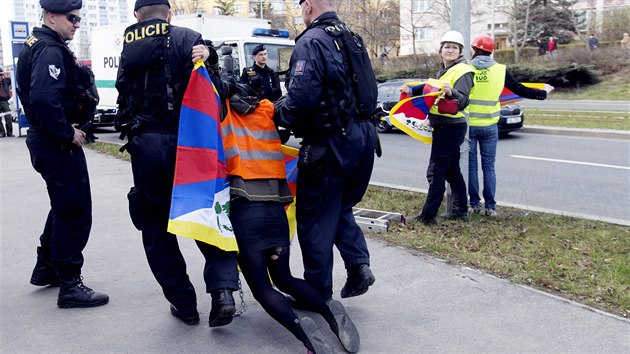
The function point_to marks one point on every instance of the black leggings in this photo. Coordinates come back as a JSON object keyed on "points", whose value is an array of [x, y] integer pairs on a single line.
{"points": [[276, 260]]}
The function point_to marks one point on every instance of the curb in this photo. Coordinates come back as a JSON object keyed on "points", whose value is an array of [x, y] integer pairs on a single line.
{"points": [[592, 133]]}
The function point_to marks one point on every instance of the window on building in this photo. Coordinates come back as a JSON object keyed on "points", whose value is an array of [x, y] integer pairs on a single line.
{"points": [[420, 5], [295, 4], [237, 9], [422, 33]]}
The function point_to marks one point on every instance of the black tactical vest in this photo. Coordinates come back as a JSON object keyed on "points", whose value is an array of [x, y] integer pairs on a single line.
{"points": [[145, 79]]}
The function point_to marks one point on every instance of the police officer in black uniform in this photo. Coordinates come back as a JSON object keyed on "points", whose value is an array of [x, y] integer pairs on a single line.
{"points": [[261, 77], [46, 76], [154, 70], [336, 156]]}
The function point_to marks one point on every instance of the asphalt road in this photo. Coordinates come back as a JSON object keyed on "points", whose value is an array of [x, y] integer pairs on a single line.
{"points": [[580, 176]]}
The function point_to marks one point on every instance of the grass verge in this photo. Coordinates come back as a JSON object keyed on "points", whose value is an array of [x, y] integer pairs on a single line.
{"points": [[614, 87], [582, 260], [109, 149], [617, 120]]}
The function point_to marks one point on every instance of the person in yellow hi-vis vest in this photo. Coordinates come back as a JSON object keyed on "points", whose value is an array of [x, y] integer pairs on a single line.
{"points": [[449, 130], [484, 112]]}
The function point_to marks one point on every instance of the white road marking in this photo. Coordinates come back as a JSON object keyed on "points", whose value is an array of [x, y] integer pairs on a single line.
{"points": [[571, 162]]}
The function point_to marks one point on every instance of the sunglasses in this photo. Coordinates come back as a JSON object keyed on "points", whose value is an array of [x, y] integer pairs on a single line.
{"points": [[74, 19], [301, 1]]}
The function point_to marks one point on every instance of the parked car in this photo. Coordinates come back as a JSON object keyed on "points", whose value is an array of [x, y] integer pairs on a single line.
{"points": [[105, 118], [511, 118]]}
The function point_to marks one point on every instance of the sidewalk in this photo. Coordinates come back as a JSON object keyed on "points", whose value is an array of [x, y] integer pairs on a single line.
{"points": [[418, 304]]}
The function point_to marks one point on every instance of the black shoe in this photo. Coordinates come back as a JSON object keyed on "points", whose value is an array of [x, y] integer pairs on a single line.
{"points": [[223, 308], [342, 326], [74, 294], [463, 217], [312, 337], [360, 278], [424, 220], [189, 319], [44, 272]]}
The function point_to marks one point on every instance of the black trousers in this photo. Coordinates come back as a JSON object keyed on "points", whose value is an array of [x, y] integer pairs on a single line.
{"points": [[324, 202], [69, 221], [153, 165], [444, 167]]}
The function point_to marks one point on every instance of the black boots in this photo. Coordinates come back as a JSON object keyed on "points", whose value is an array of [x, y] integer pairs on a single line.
{"points": [[360, 278], [312, 337], [74, 294], [223, 308], [343, 327], [188, 318], [45, 272]]}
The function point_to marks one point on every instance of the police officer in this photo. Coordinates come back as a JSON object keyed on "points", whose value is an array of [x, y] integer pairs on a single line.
{"points": [[261, 77], [46, 87], [155, 67], [336, 156]]}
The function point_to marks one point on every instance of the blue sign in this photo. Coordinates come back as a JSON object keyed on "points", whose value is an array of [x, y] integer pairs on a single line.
{"points": [[19, 31]]}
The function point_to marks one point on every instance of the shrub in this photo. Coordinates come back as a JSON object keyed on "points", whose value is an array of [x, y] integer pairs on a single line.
{"points": [[566, 76]]}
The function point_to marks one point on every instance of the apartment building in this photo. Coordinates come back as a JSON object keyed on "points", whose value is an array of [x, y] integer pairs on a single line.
{"points": [[94, 13], [424, 22]]}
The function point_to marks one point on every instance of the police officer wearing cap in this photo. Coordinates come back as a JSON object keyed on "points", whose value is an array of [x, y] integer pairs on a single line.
{"points": [[261, 77], [336, 156], [46, 87], [155, 67]]}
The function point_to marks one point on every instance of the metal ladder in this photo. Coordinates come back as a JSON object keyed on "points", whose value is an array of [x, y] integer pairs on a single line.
{"points": [[376, 220]]}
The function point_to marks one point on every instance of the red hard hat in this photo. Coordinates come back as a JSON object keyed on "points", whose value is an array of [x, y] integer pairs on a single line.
{"points": [[483, 42]]}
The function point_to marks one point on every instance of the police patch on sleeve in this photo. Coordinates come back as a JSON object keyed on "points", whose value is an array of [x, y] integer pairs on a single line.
{"points": [[299, 67], [54, 71]]}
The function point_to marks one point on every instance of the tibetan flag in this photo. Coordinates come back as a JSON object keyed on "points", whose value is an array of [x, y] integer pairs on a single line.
{"points": [[290, 163], [508, 96], [201, 193], [410, 114]]}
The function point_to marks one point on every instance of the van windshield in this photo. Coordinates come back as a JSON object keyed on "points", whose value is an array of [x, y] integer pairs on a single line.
{"points": [[278, 54]]}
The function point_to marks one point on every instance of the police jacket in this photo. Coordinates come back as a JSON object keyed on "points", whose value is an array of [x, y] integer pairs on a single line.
{"points": [[263, 80], [319, 87], [154, 71], [46, 84]]}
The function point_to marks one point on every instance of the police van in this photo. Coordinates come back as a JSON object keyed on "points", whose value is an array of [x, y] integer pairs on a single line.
{"points": [[234, 39]]}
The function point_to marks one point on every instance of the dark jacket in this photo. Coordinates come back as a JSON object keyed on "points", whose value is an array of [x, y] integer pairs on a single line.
{"points": [[150, 105], [318, 77], [264, 81], [47, 87]]}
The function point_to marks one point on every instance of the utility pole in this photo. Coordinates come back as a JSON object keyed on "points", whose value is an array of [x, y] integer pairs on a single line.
{"points": [[460, 21]]}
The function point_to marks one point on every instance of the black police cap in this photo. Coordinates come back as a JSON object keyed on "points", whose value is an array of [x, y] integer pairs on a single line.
{"points": [[141, 3], [259, 48], [60, 6]]}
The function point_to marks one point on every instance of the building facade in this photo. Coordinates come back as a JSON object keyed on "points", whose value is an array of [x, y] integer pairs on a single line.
{"points": [[424, 22]]}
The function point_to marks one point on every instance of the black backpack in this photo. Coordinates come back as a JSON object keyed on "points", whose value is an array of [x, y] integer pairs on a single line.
{"points": [[363, 78]]}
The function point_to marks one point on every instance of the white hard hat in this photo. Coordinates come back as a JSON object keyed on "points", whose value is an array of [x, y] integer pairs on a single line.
{"points": [[454, 37]]}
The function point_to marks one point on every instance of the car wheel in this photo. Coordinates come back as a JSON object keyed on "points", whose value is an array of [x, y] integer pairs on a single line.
{"points": [[503, 134], [382, 126]]}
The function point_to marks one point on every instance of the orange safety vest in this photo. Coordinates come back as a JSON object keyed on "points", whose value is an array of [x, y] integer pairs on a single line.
{"points": [[252, 145]]}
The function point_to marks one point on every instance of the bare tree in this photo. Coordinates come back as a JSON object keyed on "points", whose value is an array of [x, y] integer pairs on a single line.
{"points": [[519, 13]]}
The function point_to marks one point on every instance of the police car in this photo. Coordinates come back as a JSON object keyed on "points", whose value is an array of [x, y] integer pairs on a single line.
{"points": [[511, 118]]}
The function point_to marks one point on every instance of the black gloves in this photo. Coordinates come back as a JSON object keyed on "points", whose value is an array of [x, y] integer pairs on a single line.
{"points": [[213, 59]]}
